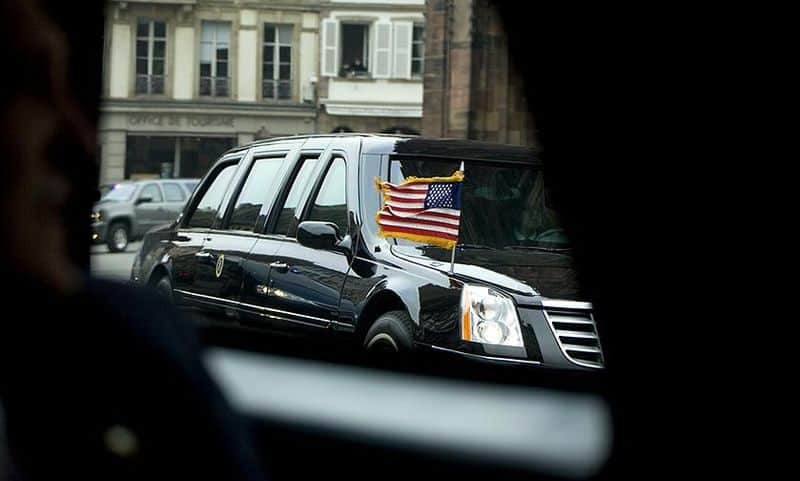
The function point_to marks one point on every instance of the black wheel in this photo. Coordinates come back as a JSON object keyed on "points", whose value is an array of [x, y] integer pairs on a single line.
{"points": [[391, 337], [164, 287], [118, 236]]}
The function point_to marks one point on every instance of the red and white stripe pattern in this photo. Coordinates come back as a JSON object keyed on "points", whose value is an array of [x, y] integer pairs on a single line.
{"points": [[404, 215]]}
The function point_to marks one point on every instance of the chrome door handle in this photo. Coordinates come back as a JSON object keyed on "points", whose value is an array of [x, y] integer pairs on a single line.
{"points": [[280, 266]]}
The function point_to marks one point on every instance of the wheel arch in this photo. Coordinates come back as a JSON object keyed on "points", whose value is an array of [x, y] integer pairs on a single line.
{"points": [[125, 219], [381, 302], [157, 273]]}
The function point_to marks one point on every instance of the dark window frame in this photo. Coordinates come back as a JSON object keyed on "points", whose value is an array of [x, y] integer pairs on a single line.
{"points": [[312, 197], [277, 61], [218, 86], [366, 49], [288, 183], [191, 207], [420, 59], [149, 76], [285, 156]]}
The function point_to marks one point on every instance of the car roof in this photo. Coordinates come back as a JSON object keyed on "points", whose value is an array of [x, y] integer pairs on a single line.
{"points": [[414, 145]]}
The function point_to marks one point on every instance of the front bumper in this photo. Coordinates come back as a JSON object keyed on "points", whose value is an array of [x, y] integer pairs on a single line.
{"points": [[483, 357], [547, 342], [99, 232]]}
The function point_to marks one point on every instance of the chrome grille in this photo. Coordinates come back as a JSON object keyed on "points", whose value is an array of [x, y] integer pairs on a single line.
{"points": [[575, 330]]}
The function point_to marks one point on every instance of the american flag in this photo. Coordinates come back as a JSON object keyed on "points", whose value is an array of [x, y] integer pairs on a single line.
{"points": [[424, 210]]}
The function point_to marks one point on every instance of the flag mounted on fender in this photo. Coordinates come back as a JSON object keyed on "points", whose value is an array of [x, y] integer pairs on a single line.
{"points": [[422, 209]]}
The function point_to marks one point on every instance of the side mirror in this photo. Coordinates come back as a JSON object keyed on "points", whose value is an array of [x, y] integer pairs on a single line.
{"points": [[319, 235], [144, 200]]}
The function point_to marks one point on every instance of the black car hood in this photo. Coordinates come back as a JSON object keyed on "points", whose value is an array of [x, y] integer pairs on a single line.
{"points": [[550, 274]]}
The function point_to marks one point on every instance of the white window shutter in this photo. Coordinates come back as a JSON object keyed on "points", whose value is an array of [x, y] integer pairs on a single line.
{"points": [[402, 49], [330, 48], [382, 63]]}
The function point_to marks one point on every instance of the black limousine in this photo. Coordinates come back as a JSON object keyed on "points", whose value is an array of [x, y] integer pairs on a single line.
{"points": [[281, 234]]}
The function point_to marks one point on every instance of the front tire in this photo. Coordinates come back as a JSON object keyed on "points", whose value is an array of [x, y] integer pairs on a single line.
{"points": [[164, 287], [118, 237], [390, 338]]}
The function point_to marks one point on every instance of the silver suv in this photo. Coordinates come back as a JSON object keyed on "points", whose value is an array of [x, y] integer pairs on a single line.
{"points": [[129, 209]]}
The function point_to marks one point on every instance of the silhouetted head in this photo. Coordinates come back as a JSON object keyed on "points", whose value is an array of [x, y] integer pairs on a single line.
{"points": [[37, 111]]}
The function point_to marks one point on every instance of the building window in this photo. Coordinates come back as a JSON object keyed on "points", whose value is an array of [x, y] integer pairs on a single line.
{"points": [[214, 48], [151, 54], [152, 157], [418, 51], [277, 62], [355, 50]]}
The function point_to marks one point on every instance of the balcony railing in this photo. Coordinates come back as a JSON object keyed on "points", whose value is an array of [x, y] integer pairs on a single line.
{"points": [[215, 86], [150, 84], [277, 89]]}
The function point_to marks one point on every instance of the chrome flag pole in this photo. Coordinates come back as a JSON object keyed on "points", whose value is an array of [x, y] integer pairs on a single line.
{"points": [[453, 253]]}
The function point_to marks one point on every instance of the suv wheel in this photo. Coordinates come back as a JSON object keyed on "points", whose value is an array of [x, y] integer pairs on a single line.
{"points": [[117, 237], [390, 337], [164, 287]]}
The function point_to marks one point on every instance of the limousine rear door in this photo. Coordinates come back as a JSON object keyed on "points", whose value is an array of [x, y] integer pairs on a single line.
{"points": [[260, 299], [193, 229], [230, 240]]}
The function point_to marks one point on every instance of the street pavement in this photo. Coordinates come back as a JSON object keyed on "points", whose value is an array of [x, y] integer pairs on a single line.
{"points": [[109, 265]]}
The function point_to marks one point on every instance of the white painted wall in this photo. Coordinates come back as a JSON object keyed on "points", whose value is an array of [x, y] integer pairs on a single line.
{"points": [[119, 78], [183, 85], [309, 55], [248, 56], [387, 91]]}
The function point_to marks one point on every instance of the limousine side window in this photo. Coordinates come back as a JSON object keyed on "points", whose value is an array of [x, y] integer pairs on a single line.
{"points": [[259, 188], [286, 219], [331, 202], [206, 210]]}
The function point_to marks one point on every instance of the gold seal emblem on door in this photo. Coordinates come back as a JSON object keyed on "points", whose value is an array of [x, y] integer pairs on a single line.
{"points": [[220, 265]]}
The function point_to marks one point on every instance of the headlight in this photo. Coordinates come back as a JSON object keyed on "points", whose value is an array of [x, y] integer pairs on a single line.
{"points": [[489, 317], [96, 216]]}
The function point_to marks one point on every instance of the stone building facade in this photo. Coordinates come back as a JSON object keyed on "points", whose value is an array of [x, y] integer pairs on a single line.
{"points": [[185, 80], [471, 88]]}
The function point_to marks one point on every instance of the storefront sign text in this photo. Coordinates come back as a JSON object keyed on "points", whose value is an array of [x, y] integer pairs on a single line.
{"points": [[196, 121]]}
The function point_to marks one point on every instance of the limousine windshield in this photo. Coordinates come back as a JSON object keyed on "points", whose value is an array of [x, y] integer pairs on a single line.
{"points": [[502, 205]]}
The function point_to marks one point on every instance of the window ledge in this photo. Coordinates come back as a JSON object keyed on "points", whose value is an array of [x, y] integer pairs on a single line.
{"points": [[373, 79]]}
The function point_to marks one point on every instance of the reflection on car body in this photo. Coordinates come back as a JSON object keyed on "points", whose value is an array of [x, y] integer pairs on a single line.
{"points": [[281, 235]]}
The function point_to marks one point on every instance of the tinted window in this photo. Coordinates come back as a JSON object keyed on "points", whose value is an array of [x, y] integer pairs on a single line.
{"points": [[190, 186], [502, 205], [152, 191], [206, 210], [286, 216], [173, 192], [331, 202], [258, 189]]}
